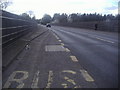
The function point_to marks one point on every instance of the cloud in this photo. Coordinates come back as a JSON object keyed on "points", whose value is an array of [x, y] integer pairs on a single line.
{"points": [[111, 8], [40, 7]]}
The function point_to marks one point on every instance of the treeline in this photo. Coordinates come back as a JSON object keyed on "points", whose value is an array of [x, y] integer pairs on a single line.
{"points": [[104, 22], [28, 16], [76, 17]]}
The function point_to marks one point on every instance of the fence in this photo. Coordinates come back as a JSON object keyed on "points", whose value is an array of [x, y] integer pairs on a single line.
{"points": [[14, 26]]}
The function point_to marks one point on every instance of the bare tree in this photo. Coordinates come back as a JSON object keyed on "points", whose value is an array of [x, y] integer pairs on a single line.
{"points": [[4, 4], [30, 13], [25, 15]]}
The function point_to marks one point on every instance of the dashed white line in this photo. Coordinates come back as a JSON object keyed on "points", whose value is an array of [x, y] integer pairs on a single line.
{"points": [[86, 76], [57, 37], [62, 44], [60, 40], [67, 50], [73, 58]]}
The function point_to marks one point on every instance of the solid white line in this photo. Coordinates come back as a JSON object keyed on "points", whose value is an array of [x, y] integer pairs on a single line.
{"points": [[104, 40]]}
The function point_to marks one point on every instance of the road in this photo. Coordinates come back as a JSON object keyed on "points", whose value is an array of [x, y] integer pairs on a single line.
{"points": [[65, 58], [96, 51]]}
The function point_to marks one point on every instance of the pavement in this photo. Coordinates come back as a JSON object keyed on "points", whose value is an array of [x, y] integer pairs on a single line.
{"points": [[46, 62], [10, 52]]}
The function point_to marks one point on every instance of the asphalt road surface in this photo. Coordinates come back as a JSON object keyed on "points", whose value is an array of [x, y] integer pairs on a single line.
{"points": [[97, 52], [66, 58]]}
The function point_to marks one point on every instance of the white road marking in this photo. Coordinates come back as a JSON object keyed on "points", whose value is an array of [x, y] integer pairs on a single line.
{"points": [[69, 71], [67, 50], [60, 40], [35, 80], [50, 79], [86, 76], [13, 79], [73, 58], [57, 37], [104, 40], [62, 44]]}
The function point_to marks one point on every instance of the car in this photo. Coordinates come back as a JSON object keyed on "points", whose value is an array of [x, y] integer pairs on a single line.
{"points": [[48, 25]]}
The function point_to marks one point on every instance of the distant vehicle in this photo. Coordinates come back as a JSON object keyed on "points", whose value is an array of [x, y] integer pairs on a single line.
{"points": [[48, 25]]}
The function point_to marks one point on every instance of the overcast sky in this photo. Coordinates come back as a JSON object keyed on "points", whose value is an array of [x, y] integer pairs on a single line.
{"points": [[41, 7]]}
